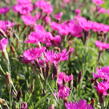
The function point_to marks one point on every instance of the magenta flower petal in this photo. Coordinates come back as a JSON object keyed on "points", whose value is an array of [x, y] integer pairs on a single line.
{"points": [[3, 44]]}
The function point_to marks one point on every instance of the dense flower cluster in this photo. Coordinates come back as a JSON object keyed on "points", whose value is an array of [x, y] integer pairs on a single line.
{"points": [[82, 104], [49, 38], [23, 7], [45, 6], [103, 86]]}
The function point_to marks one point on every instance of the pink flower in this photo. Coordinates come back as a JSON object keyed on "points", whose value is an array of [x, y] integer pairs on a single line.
{"points": [[4, 25], [102, 73], [62, 28], [48, 19], [66, 1], [58, 16], [39, 27], [28, 19], [54, 26], [62, 77], [98, 2], [3, 44], [23, 7], [102, 10], [98, 27], [107, 11], [82, 104], [84, 24], [102, 45], [102, 88], [77, 12], [74, 28], [4, 10], [63, 92], [39, 36], [33, 53], [52, 57], [45, 6], [34, 37], [23, 1], [56, 40], [56, 57]]}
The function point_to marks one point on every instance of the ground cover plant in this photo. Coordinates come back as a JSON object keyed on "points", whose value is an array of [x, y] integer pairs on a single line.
{"points": [[54, 54]]}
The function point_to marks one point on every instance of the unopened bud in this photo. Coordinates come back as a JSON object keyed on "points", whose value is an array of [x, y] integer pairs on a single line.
{"points": [[24, 105], [52, 107], [2, 101]]}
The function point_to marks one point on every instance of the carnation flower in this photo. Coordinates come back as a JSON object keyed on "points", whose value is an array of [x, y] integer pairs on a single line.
{"points": [[102, 73], [33, 53], [45, 6], [4, 25], [74, 28], [48, 19], [62, 28], [77, 12], [63, 92], [24, 105], [102, 10], [82, 104], [98, 2], [40, 36], [23, 7], [102, 45], [23, 1], [56, 57], [4, 10], [28, 19], [62, 77], [102, 88], [58, 16], [56, 40]]}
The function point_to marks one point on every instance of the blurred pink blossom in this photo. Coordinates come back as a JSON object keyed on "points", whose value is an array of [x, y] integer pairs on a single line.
{"points": [[58, 16], [102, 73], [23, 7], [98, 2], [28, 19], [102, 11], [4, 10], [62, 77], [3, 44], [45, 6], [77, 12], [63, 92], [82, 104], [66, 1], [102, 88], [102, 45], [56, 57], [4, 25], [33, 53]]}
